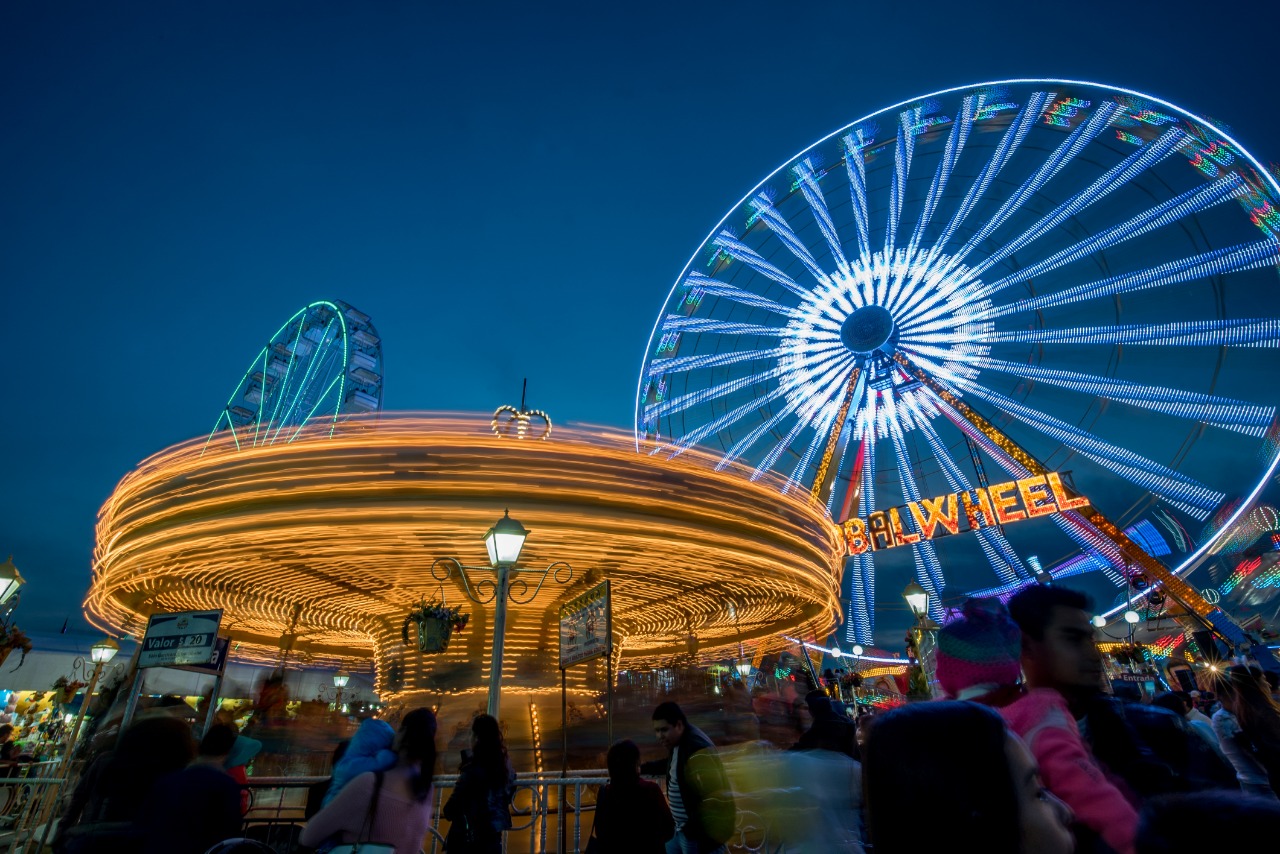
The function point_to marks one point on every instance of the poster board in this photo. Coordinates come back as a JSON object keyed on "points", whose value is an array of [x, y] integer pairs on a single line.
{"points": [[183, 638], [586, 626]]}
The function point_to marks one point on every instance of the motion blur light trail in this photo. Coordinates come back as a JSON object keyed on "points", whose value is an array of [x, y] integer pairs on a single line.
{"points": [[331, 539]]}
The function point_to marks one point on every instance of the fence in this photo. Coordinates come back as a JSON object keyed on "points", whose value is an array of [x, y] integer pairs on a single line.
{"points": [[543, 805]]}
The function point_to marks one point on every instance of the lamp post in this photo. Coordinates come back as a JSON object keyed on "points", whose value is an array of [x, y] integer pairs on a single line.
{"points": [[504, 542], [100, 654], [924, 635], [11, 582], [340, 680]]}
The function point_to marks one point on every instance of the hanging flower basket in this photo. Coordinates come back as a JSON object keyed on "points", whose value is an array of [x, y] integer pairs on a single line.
{"points": [[436, 623]]}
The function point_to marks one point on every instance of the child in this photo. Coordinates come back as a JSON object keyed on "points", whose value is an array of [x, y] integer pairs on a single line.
{"points": [[369, 750]]}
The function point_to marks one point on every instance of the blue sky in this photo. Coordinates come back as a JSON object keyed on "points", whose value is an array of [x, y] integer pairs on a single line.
{"points": [[508, 189]]}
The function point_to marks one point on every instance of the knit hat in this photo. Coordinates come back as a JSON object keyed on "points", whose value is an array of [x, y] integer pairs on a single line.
{"points": [[983, 646]]}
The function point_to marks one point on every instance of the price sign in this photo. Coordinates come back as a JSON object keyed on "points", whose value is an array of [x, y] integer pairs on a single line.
{"points": [[187, 638]]}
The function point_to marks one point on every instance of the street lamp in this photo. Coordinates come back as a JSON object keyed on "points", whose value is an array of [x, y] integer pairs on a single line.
{"points": [[100, 654], [340, 680], [924, 634], [504, 542]]}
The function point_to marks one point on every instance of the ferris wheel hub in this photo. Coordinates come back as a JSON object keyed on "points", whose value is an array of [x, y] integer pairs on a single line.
{"points": [[868, 329]]}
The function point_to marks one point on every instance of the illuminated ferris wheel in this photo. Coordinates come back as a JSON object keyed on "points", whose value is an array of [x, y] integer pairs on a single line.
{"points": [[981, 285], [322, 365]]}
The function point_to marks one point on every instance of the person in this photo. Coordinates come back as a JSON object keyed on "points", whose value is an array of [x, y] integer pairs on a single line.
{"points": [[1248, 728], [316, 791], [979, 656], [391, 807], [104, 808], [8, 749], [829, 730], [479, 810], [632, 816], [190, 810], [368, 750], [950, 770], [1059, 653], [237, 764], [699, 793], [1207, 821], [1193, 700], [1207, 751]]}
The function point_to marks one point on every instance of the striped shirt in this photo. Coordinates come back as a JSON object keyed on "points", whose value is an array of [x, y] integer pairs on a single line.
{"points": [[678, 811]]}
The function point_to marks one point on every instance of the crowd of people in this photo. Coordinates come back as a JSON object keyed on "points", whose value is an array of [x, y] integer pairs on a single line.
{"points": [[1027, 754]]}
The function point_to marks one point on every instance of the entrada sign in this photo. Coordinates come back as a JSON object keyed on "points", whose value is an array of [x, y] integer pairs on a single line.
{"points": [[1039, 495]]}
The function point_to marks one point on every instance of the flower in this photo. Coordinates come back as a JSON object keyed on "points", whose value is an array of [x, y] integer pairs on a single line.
{"points": [[436, 610], [16, 638]]}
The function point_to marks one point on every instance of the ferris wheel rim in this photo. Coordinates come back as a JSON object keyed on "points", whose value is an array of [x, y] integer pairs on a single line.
{"points": [[1261, 171]]}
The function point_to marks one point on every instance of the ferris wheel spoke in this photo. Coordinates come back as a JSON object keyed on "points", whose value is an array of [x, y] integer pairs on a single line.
{"points": [[861, 572], [1193, 201], [696, 435], [715, 287], [769, 215], [736, 249], [285, 389], [955, 144], [926, 557], [683, 402], [319, 402], [818, 205], [907, 122], [1183, 492], [999, 553], [856, 168], [1077, 140], [1009, 143], [819, 440], [682, 323], [1244, 256], [1070, 523], [796, 429], [1113, 179], [680, 364], [1238, 332], [304, 383], [1221, 412]]}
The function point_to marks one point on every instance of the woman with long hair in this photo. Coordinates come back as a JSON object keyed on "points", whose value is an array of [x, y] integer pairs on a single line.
{"points": [[389, 807], [632, 816], [479, 810], [1248, 728], [954, 766]]}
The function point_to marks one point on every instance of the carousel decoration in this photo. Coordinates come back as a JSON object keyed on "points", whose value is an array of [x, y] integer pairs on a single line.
{"points": [[508, 421], [436, 623]]}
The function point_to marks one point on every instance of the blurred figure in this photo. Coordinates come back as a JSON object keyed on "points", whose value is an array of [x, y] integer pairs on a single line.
{"points": [[699, 793], [1195, 714], [829, 730], [632, 816], [190, 810], [317, 791], [979, 657], [1248, 728], [242, 753], [954, 766], [104, 809], [8, 750], [1207, 821], [1180, 704], [391, 807], [368, 750], [479, 810]]}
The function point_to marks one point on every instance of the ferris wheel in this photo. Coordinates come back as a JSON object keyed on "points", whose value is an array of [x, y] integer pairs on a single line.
{"points": [[322, 365], [988, 282]]}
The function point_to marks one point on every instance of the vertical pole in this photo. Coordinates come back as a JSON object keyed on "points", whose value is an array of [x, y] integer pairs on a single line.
{"points": [[131, 705], [608, 655], [75, 730], [499, 633], [564, 751], [213, 704]]}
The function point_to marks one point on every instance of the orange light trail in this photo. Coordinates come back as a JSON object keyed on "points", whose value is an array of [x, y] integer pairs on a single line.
{"points": [[342, 531]]}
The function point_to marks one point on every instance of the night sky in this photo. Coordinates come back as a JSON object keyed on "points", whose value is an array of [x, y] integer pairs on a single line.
{"points": [[509, 190]]}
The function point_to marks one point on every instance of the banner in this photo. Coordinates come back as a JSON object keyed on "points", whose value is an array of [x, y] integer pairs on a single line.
{"points": [[959, 512]]}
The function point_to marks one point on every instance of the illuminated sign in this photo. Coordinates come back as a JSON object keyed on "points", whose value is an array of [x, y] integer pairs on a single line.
{"points": [[1003, 503]]}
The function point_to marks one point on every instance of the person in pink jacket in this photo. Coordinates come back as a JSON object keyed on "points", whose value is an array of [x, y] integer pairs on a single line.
{"points": [[979, 659]]}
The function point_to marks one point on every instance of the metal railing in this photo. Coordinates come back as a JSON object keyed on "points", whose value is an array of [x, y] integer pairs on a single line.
{"points": [[28, 801]]}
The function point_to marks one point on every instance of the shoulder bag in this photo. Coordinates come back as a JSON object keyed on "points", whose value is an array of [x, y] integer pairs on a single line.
{"points": [[362, 845]]}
